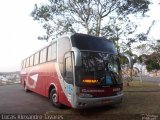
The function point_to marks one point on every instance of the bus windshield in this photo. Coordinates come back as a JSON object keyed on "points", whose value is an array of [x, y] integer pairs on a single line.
{"points": [[98, 68], [92, 43]]}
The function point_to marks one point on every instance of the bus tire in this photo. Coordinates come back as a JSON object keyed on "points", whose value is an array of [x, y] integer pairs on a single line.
{"points": [[54, 99], [25, 88]]}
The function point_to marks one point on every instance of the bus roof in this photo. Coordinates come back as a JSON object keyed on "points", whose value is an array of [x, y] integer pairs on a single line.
{"points": [[92, 43]]}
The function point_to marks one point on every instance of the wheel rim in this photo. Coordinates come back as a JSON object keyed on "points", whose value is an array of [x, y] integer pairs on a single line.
{"points": [[25, 88], [54, 98]]}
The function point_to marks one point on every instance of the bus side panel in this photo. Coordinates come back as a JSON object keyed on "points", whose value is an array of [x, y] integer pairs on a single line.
{"points": [[54, 80], [23, 75], [51, 78], [35, 78], [40, 78], [62, 97], [42, 73], [41, 85]]}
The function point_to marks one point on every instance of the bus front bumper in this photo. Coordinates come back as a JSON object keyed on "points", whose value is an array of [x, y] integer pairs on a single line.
{"points": [[95, 102]]}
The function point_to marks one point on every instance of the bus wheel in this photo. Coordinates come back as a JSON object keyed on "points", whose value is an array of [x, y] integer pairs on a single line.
{"points": [[54, 98], [25, 88]]}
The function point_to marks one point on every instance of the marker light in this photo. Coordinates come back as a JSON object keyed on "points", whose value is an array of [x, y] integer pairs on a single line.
{"points": [[90, 81]]}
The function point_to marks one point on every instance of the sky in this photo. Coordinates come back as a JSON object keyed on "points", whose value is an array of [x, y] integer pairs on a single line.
{"points": [[19, 32], [154, 15]]}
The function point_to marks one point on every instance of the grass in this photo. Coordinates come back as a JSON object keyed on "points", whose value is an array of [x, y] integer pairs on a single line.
{"points": [[138, 83], [142, 86], [139, 99]]}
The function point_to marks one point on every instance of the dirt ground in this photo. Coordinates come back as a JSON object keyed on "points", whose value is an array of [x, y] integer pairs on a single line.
{"points": [[141, 102]]}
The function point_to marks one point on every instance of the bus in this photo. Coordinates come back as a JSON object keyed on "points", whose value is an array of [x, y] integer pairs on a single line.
{"points": [[76, 70]]}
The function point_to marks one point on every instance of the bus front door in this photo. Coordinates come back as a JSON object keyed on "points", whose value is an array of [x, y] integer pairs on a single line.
{"points": [[68, 77]]}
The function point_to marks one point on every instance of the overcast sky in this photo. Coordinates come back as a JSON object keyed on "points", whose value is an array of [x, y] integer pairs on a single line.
{"points": [[18, 31]]}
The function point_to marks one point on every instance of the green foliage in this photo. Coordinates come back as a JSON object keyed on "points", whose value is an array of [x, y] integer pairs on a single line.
{"points": [[153, 46], [134, 6], [96, 17], [152, 64], [123, 60], [142, 58], [152, 61], [142, 37]]}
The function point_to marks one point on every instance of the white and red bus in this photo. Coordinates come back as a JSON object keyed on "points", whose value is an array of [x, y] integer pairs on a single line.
{"points": [[76, 70]]}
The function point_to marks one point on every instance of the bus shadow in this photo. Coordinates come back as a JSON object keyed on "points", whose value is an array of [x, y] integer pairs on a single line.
{"points": [[96, 110], [39, 100]]}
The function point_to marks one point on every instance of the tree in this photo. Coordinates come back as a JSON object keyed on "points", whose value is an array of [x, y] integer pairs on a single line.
{"points": [[142, 58], [150, 45], [152, 63], [156, 50], [95, 17], [120, 29], [152, 60]]}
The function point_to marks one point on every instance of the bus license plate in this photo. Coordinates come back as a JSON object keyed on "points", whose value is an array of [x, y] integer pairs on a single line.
{"points": [[106, 101]]}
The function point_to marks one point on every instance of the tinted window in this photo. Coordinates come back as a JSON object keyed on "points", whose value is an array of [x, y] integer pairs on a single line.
{"points": [[100, 66], [68, 70], [23, 63], [31, 61], [36, 58], [43, 56], [87, 42], [68, 67], [27, 62], [52, 52], [63, 47]]}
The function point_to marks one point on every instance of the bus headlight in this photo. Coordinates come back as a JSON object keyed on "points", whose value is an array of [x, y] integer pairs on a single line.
{"points": [[85, 95]]}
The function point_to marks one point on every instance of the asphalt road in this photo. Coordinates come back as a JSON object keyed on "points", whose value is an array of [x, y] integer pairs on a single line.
{"points": [[13, 99], [148, 78]]}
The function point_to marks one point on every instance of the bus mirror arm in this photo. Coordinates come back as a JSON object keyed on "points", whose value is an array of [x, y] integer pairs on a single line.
{"points": [[129, 59], [130, 63]]}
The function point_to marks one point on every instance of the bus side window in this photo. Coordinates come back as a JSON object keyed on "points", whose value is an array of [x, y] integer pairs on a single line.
{"points": [[22, 64], [63, 47], [52, 52], [27, 62], [36, 58], [31, 61], [68, 70], [43, 55]]}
